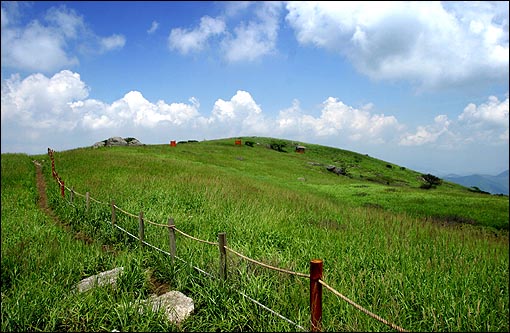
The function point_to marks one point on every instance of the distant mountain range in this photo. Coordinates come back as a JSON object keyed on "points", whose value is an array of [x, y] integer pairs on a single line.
{"points": [[492, 184]]}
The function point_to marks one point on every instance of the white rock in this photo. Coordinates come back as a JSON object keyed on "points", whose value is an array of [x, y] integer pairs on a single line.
{"points": [[101, 279], [176, 305]]}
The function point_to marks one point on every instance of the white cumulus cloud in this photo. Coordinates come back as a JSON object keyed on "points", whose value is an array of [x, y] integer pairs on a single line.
{"points": [[486, 123], [20, 45], [241, 114], [432, 44], [427, 134], [133, 110], [248, 40], [42, 102], [341, 121], [60, 102], [50, 43], [188, 41], [255, 38]]}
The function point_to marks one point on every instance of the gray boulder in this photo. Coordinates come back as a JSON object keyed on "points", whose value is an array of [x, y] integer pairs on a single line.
{"points": [[133, 142], [116, 141], [335, 169], [99, 144]]}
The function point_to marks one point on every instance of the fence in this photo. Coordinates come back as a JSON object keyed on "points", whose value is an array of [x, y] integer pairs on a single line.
{"points": [[315, 273]]}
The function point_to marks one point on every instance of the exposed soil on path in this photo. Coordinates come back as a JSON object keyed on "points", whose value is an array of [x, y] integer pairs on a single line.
{"points": [[43, 204], [41, 189]]}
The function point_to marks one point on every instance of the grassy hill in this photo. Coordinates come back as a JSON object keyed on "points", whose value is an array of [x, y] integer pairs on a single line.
{"points": [[369, 182], [431, 259]]}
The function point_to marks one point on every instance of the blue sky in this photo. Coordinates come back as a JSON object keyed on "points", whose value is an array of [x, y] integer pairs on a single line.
{"points": [[419, 84]]}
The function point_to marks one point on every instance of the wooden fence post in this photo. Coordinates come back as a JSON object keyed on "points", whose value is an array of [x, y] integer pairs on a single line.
{"points": [[113, 212], [72, 194], [171, 238], [62, 189], [222, 242], [87, 199], [140, 228], [316, 295]]}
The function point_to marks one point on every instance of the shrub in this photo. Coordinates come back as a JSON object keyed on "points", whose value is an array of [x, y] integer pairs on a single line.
{"points": [[477, 190], [278, 145], [430, 181]]}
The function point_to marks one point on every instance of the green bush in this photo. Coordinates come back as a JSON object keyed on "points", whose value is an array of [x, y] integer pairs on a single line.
{"points": [[278, 145], [431, 180]]}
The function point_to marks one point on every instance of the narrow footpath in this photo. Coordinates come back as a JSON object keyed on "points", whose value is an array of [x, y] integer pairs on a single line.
{"points": [[43, 204]]}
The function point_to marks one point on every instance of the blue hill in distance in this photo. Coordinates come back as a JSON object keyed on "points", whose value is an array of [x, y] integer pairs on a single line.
{"points": [[493, 184]]}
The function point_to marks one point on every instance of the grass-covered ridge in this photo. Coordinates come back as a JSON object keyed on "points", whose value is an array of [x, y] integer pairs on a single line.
{"points": [[427, 260], [369, 181]]}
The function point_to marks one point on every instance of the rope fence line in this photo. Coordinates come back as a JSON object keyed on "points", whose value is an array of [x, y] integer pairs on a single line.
{"points": [[319, 280], [266, 265], [362, 309], [194, 238], [97, 201], [79, 194], [156, 224], [127, 213]]}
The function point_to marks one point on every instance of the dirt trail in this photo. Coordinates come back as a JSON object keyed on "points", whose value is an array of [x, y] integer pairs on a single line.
{"points": [[41, 188], [43, 204]]}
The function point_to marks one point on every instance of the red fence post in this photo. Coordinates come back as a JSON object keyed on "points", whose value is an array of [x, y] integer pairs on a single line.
{"points": [[316, 295], [62, 188]]}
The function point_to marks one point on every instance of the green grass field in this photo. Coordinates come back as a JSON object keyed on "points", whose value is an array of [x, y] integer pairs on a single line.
{"points": [[426, 260]]}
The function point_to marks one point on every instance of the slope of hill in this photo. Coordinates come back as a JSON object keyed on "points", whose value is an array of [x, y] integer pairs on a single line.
{"points": [[380, 232], [493, 184], [340, 176]]}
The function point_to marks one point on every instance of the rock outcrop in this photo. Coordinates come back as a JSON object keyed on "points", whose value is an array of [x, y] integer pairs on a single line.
{"points": [[117, 141]]}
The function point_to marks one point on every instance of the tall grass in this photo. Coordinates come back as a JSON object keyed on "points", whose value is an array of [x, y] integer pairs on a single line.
{"points": [[418, 274]]}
